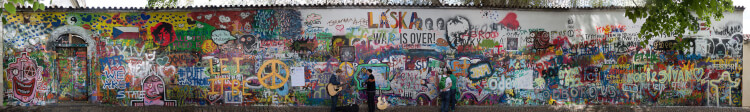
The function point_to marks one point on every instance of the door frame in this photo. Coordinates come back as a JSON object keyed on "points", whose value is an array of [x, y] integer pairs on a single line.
{"points": [[82, 33], [88, 73]]}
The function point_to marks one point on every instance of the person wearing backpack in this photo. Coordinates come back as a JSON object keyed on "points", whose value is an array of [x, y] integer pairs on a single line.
{"points": [[445, 88], [452, 92]]}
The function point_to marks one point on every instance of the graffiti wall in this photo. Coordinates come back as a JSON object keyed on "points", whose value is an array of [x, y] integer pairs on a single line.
{"points": [[286, 56]]}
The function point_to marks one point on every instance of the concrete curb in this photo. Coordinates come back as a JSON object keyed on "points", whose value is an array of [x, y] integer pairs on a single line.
{"points": [[575, 108]]}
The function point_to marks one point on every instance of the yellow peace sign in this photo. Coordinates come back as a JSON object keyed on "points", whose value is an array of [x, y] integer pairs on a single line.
{"points": [[273, 74], [347, 67]]}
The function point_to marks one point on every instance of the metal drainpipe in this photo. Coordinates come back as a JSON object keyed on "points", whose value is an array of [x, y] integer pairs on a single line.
{"points": [[2, 58], [745, 89]]}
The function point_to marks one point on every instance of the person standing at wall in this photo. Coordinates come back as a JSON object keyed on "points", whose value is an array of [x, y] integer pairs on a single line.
{"points": [[334, 98], [370, 82], [445, 95], [453, 88]]}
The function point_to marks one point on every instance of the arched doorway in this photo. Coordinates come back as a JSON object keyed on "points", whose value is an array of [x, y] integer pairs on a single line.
{"points": [[74, 48], [72, 65]]}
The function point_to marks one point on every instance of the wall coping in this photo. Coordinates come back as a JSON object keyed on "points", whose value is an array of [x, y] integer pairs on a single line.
{"points": [[315, 6]]}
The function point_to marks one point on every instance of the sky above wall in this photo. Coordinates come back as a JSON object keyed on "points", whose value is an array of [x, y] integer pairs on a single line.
{"points": [[745, 15], [141, 3]]}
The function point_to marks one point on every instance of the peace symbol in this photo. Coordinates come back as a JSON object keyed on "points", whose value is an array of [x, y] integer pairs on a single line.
{"points": [[273, 73], [347, 67]]}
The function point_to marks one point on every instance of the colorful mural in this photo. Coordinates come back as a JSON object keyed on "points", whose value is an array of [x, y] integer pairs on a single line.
{"points": [[286, 56]]}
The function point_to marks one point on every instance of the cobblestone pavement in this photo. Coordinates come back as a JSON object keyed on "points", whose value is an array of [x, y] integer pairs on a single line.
{"points": [[597, 108]]}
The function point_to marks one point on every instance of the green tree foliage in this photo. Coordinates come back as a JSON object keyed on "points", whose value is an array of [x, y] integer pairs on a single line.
{"points": [[10, 5], [507, 2], [676, 17]]}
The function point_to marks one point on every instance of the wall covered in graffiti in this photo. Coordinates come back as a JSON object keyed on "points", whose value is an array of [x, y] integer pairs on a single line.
{"points": [[286, 56]]}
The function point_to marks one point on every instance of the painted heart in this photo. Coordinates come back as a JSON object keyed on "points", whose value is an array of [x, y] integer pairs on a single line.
{"points": [[168, 71], [162, 61], [653, 95], [510, 21], [86, 18], [145, 17], [208, 16], [340, 27]]}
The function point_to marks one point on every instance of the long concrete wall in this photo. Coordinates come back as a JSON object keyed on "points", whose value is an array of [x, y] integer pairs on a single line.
{"points": [[286, 56]]}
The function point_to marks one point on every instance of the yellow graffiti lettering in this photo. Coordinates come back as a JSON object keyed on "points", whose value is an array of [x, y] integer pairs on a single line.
{"points": [[236, 90], [213, 83], [237, 63]]}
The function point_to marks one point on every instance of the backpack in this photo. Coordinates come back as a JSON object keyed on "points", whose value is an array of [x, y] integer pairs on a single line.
{"points": [[441, 85]]}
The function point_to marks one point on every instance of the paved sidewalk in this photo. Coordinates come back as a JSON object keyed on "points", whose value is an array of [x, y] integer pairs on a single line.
{"points": [[590, 108]]}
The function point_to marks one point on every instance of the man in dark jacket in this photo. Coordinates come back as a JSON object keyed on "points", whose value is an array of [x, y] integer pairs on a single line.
{"points": [[370, 82], [334, 98]]}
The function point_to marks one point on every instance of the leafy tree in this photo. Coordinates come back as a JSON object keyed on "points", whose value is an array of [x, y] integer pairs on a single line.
{"points": [[507, 2], [676, 17], [10, 5]]}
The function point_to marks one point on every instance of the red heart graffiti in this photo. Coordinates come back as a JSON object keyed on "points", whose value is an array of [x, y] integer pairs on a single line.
{"points": [[652, 94], [510, 21], [340, 27]]}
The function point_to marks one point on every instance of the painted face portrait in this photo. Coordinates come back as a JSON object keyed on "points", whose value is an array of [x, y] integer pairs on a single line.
{"points": [[456, 27], [440, 24], [163, 34], [24, 73], [153, 86], [428, 23]]}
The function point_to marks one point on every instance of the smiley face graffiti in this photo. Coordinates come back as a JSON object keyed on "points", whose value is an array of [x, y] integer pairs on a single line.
{"points": [[24, 74]]}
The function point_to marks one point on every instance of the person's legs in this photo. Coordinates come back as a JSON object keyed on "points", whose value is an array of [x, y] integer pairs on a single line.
{"points": [[371, 101], [442, 106], [444, 102], [453, 99], [334, 101]]}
